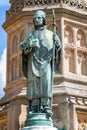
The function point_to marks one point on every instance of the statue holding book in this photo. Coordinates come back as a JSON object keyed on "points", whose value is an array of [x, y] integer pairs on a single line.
{"points": [[37, 64]]}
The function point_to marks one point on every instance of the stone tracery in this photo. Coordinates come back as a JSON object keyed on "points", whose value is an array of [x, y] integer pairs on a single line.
{"points": [[74, 41], [15, 44], [80, 38], [20, 61], [68, 35], [82, 63]]}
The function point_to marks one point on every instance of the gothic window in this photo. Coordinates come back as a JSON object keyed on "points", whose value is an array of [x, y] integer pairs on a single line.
{"points": [[20, 66], [14, 68], [80, 38], [20, 62], [15, 44], [69, 61], [68, 35], [82, 65]]}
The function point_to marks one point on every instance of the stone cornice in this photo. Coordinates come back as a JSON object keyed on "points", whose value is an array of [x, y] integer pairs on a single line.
{"points": [[78, 100], [28, 5], [15, 9], [70, 77], [4, 103], [20, 81]]}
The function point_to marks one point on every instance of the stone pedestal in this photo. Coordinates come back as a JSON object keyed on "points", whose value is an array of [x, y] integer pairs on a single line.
{"points": [[39, 121], [40, 128]]}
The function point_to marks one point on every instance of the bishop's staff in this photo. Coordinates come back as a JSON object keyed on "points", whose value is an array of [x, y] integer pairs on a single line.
{"points": [[57, 46], [53, 56], [54, 32]]}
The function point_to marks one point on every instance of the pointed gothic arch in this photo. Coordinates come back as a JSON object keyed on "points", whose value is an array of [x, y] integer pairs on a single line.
{"points": [[22, 36], [81, 38], [68, 34], [15, 44]]}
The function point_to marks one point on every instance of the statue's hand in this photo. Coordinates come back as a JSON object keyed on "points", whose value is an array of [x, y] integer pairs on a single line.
{"points": [[54, 37], [25, 46], [29, 45], [57, 41]]}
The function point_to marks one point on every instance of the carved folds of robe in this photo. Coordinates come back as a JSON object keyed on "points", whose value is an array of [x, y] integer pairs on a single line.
{"points": [[37, 65]]}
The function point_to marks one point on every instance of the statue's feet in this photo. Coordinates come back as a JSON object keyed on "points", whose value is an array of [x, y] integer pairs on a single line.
{"points": [[48, 111], [33, 110], [30, 112]]}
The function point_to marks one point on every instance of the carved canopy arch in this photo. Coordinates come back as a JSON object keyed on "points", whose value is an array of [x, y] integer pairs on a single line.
{"points": [[15, 44], [69, 60], [22, 36], [68, 34], [82, 62], [81, 37], [83, 67], [14, 68], [72, 62]]}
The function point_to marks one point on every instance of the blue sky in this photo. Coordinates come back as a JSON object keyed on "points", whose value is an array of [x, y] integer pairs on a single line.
{"points": [[4, 5]]}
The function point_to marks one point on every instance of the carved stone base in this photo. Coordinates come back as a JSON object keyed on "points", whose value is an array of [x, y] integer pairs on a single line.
{"points": [[40, 128]]}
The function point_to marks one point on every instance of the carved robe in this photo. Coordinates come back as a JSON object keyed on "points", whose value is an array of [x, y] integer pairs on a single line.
{"points": [[37, 66]]}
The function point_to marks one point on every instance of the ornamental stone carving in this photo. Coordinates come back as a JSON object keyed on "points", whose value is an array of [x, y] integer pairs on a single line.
{"points": [[28, 3], [14, 9], [65, 1], [17, 6], [78, 100], [81, 38], [68, 35]]}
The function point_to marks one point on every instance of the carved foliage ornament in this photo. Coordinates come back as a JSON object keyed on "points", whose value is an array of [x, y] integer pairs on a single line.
{"points": [[74, 3], [40, 2], [15, 8], [18, 5], [66, 1]]}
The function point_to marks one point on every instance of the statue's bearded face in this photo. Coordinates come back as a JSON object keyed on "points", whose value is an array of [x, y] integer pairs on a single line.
{"points": [[38, 20]]}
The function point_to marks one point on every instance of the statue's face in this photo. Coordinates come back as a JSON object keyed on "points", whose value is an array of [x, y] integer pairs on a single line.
{"points": [[38, 20]]}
